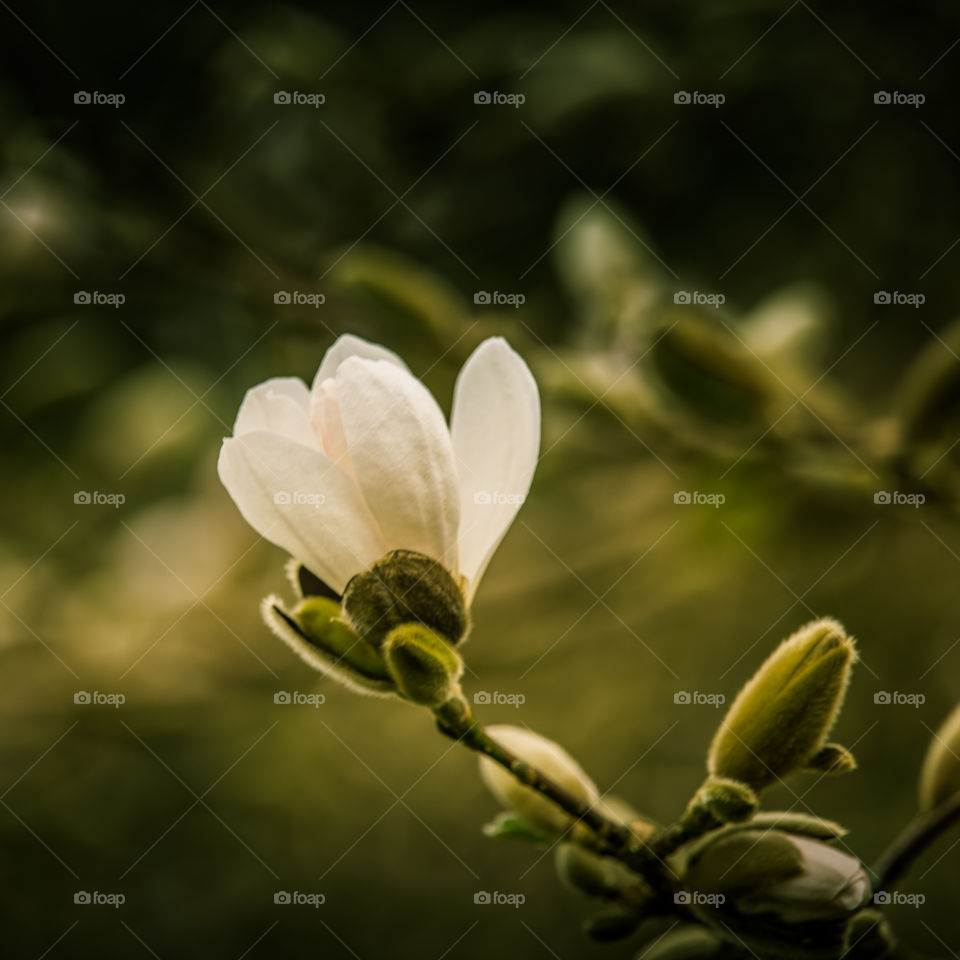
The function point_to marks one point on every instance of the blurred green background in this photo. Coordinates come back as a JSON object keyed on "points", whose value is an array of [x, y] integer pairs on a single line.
{"points": [[603, 203]]}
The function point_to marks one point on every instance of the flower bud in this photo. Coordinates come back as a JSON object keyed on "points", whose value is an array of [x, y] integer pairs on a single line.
{"points": [[405, 587], [424, 667], [781, 718], [589, 873], [729, 801], [792, 878], [328, 644], [550, 759], [940, 776]]}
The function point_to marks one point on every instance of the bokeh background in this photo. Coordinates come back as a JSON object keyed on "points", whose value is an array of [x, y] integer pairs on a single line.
{"points": [[601, 202]]}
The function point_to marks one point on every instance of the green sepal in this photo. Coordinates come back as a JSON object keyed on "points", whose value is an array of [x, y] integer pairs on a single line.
{"points": [[424, 666], [335, 661], [508, 826], [833, 760], [405, 587], [729, 801], [316, 617]]}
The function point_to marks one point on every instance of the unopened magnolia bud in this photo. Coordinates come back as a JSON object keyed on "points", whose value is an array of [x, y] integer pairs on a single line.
{"points": [[589, 873], [328, 644], [612, 925], [940, 776], [424, 667], [793, 878], [405, 587], [550, 759], [728, 800], [781, 718]]}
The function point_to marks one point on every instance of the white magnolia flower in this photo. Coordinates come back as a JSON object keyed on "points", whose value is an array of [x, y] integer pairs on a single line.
{"points": [[363, 462]]}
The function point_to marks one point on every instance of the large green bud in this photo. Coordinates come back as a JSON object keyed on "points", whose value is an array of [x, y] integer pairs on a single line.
{"points": [[940, 776], [780, 720]]}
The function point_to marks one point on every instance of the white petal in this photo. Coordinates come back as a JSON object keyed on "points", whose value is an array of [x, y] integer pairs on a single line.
{"points": [[350, 346], [298, 499], [402, 457], [496, 438], [280, 405]]}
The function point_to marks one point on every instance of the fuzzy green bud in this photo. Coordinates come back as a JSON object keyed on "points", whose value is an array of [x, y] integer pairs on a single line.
{"points": [[940, 776], [405, 587], [315, 632], [424, 667], [550, 759], [781, 718], [729, 801]]}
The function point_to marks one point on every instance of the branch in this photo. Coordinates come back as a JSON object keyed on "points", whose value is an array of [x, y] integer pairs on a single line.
{"points": [[913, 840]]}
